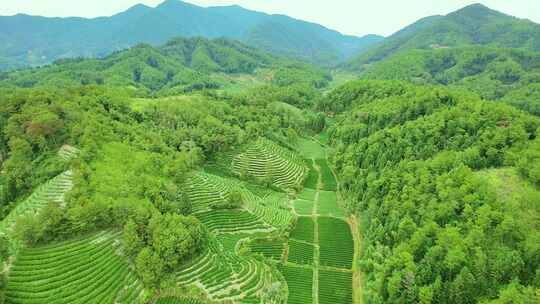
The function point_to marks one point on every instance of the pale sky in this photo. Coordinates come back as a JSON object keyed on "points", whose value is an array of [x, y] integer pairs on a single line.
{"points": [[354, 17]]}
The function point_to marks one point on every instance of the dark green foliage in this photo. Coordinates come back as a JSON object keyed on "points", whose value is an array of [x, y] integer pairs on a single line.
{"points": [[31, 132], [431, 227], [161, 243], [528, 161], [507, 74]]}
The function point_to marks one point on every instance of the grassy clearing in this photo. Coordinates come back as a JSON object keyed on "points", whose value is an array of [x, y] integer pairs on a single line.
{"points": [[141, 104], [328, 204], [309, 149], [335, 287], [313, 175], [517, 194], [304, 229], [300, 253], [303, 207], [328, 179], [336, 243], [300, 282]]}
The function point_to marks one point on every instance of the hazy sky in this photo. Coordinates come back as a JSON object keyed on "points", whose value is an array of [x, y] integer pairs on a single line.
{"points": [[356, 17]]}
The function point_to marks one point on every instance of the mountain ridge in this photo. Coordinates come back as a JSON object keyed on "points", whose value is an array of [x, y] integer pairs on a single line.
{"points": [[475, 24], [36, 40]]}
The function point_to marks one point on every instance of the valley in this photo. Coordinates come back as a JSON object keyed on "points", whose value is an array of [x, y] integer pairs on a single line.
{"points": [[220, 161]]}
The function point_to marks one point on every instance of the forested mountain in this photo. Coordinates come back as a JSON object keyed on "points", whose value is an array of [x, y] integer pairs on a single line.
{"points": [[34, 40], [208, 171], [446, 187], [472, 25], [511, 75], [179, 66]]}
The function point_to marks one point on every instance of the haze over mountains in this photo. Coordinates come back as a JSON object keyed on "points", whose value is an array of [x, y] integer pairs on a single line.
{"points": [[34, 40]]}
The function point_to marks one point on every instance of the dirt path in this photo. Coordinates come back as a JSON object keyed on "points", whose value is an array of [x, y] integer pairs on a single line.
{"points": [[357, 275], [316, 252]]}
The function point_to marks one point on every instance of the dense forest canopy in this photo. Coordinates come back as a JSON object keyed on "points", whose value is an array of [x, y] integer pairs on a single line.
{"points": [[207, 171], [419, 165], [510, 75]]}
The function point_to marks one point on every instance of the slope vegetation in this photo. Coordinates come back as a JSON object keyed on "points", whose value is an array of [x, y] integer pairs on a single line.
{"points": [[472, 25], [83, 270], [508, 74], [408, 162]]}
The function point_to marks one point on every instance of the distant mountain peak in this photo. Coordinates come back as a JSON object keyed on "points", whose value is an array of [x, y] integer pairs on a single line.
{"points": [[174, 3], [475, 25], [476, 10], [140, 6]]}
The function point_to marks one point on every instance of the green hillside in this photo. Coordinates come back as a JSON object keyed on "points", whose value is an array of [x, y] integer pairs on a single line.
{"points": [[511, 75], [472, 25], [207, 171], [410, 162]]}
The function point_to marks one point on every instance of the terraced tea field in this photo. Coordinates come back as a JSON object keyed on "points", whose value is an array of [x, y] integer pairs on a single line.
{"points": [[231, 221], [83, 270], [52, 191], [266, 161], [300, 253], [206, 190], [245, 243], [335, 287], [336, 243], [300, 282], [330, 257], [224, 276], [304, 230], [270, 248], [303, 207], [328, 205], [172, 300]]}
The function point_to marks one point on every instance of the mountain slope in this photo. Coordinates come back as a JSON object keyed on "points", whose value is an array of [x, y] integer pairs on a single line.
{"points": [[512, 75], [33, 40], [181, 64], [472, 25]]}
